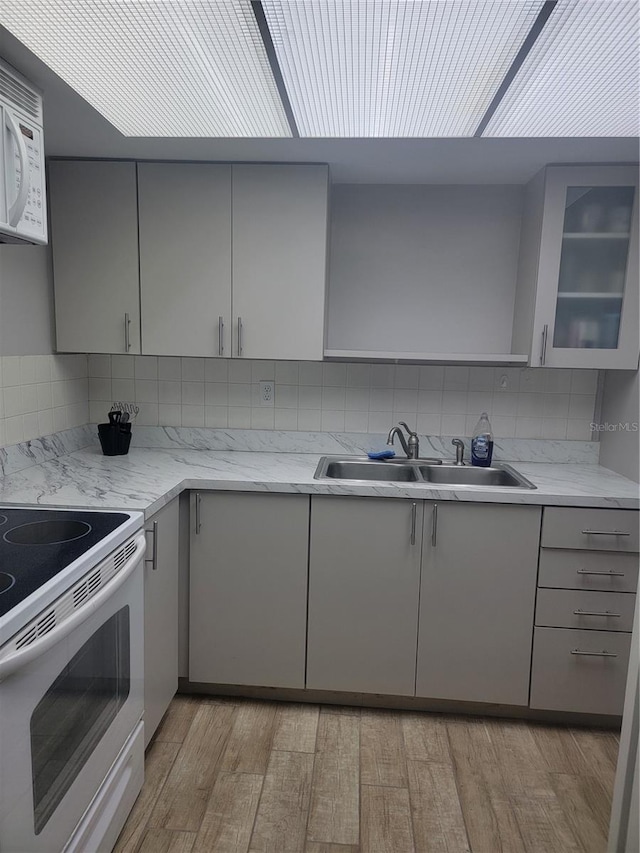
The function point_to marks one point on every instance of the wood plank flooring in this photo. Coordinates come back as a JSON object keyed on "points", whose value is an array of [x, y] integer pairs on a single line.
{"points": [[241, 776]]}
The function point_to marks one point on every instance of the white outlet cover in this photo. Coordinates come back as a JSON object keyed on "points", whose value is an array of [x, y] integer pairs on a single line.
{"points": [[267, 393]]}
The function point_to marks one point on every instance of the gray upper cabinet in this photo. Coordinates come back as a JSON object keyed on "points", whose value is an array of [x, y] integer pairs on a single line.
{"points": [[279, 261], [185, 258], [248, 589], [477, 600], [364, 579], [94, 237], [160, 616], [577, 296]]}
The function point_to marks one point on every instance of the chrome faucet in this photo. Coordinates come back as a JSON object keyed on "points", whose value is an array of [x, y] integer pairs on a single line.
{"points": [[459, 446], [412, 447]]}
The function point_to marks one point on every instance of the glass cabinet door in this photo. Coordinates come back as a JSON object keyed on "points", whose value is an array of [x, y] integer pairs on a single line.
{"points": [[593, 267]]}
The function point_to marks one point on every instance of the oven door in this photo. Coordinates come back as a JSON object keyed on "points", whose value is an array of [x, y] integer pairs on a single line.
{"points": [[65, 716]]}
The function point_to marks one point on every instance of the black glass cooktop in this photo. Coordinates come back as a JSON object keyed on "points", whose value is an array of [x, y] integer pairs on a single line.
{"points": [[36, 544]]}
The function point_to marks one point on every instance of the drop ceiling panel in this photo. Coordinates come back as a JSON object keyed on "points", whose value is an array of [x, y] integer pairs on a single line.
{"points": [[393, 68], [580, 78], [190, 68]]}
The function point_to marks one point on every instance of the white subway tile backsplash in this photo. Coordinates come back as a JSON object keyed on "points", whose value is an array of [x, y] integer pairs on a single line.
{"points": [[30, 426], [262, 418], [215, 370], [311, 396], [332, 421], [584, 381], [265, 371], [193, 416], [11, 371], [170, 414], [334, 374], [310, 373], [216, 417], [431, 378], [286, 419], [286, 373], [407, 376], [170, 368], [240, 371], [122, 366], [309, 420], [193, 394], [192, 369], [170, 393]]}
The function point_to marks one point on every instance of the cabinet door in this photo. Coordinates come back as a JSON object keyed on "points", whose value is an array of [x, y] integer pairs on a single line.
{"points": [[364, 579], [248, 589], [587, 303], [279, 261], [185, 258], [94, 236], [160, 616], [477, 602]]}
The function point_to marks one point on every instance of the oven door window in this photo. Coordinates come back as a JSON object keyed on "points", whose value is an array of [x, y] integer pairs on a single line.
{"points": [[76, 711]]}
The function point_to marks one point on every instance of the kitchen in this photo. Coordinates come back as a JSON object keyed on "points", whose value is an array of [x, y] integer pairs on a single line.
{"points": [[359, 283]]}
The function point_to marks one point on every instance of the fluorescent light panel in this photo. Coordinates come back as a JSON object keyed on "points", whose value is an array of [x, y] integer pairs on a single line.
{"points": [[193, 68], [395, 68], [580, 78]]}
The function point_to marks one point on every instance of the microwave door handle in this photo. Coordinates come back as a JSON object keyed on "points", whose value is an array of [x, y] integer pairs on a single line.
{"points": [[23, 656], [17, 208]]}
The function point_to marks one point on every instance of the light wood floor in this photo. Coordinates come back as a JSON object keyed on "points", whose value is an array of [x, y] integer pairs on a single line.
{"points": [[239, 776]]}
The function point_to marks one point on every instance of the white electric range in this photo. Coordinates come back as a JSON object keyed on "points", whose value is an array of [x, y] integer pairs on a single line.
{"points": [[71, 677]]}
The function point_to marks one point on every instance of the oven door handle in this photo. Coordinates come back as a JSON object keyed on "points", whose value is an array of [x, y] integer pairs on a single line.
{"points": [[20, 658]]}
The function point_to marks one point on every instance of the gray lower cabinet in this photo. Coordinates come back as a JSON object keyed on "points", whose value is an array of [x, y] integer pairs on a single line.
{"points": [[160, 616], [477, 599], [248, 588], [364, 581]]}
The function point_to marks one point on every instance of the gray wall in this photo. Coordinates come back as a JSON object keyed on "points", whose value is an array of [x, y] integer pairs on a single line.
{"points": [[402, 256], [26, 300], [619, 448]]}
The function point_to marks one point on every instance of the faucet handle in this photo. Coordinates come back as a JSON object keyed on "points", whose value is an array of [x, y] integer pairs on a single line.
{"points": [[410, 431], [459, 446]]}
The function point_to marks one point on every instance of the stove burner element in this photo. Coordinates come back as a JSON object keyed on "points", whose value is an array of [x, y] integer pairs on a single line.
{"points": [[47, 532], [3, 519], [6, 581]]}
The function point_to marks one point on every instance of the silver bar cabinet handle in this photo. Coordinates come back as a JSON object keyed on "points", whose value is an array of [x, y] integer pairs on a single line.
{"points": [[605, 533], [220, 336], [127, 336], [603, 654], [609, 574], [579, 612], [154, 547], [414, 512], [198, 501], [543, 350], [239, 335], [434, 526]]}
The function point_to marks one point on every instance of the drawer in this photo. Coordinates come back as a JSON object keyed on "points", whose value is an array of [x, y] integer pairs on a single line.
{"points": [[603, 570], [593, 529], [562, 680], [574, 608]]}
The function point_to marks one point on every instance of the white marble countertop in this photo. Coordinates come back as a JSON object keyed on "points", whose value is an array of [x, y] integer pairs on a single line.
{"points": [[148, 478]]}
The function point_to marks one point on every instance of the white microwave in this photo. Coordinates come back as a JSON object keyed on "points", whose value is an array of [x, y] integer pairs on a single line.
{"points": [[23, 207]]}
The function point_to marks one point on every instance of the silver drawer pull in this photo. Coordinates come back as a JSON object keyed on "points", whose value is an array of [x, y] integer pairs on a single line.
{"points": [[579, 612], [605, 533], [603, 654], [609, 574]]}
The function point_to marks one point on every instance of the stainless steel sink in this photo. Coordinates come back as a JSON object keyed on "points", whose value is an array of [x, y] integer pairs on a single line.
{"points": [[425, 471], [359, 469], [467, 475]]}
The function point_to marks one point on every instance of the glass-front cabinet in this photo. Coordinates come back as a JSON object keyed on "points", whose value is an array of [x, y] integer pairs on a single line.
{"points": [[585, 312]]}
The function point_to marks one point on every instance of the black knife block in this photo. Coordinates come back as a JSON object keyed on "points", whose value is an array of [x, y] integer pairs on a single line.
{"points": [[114, 438]]}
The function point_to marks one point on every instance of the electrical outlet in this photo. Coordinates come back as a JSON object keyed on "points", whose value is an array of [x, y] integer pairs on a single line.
{"points": [[267, 393]]}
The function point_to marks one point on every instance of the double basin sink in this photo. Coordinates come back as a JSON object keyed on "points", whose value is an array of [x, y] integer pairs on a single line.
{"points": [[419, 471]]}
